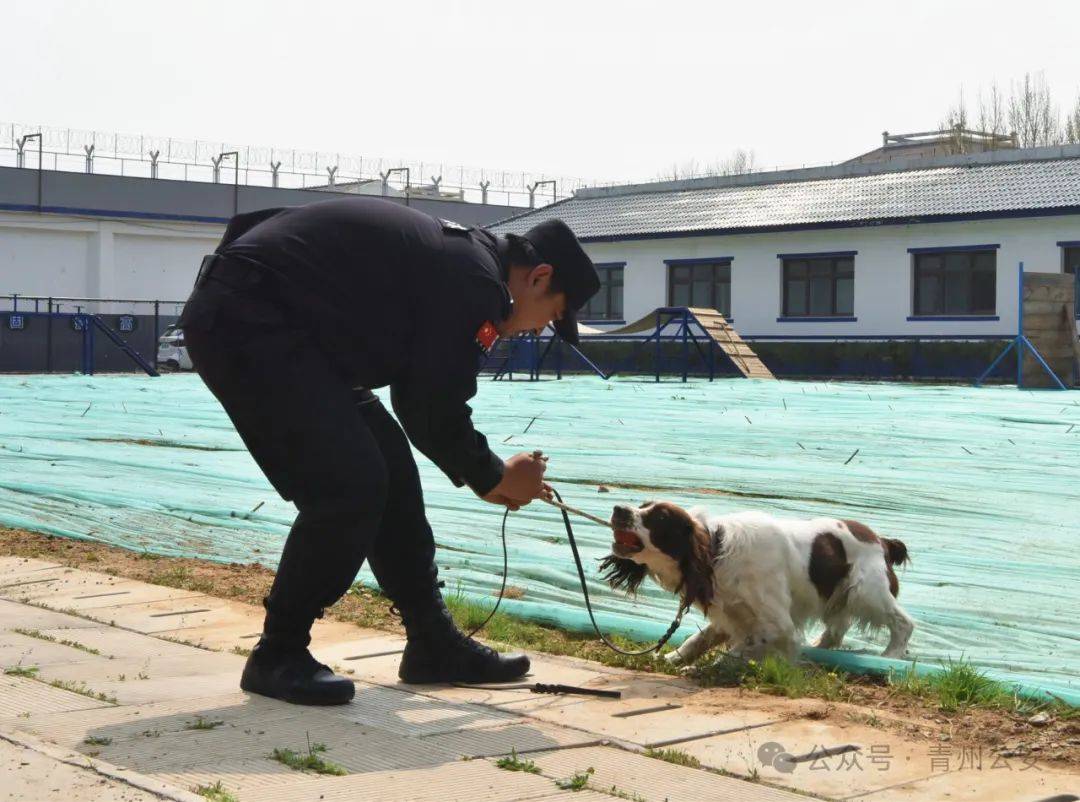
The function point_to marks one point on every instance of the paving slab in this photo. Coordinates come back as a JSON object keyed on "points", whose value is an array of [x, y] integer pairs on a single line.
{"points": [[544, 669], [97, 599], [66, 582], [523, 738], [31, 776], [469, 781], [406, 713], [20, 585], [1001, 780], [119, 644], [399, 741], [17, 565], [373, 659], [660, 725], [22, 698], [881, 759], [14, 614], [647, 778], [152, 679], [18, 649], [175, 615], [235, 710]]}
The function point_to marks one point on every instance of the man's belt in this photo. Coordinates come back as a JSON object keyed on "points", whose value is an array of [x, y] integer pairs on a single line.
{"points": [[230, 272]]}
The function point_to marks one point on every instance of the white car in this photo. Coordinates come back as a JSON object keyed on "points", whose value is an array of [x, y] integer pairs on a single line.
{"points": [[171, 350]]}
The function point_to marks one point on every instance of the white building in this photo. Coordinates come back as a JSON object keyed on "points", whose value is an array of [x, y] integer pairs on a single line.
{"points": [[873, 251]]}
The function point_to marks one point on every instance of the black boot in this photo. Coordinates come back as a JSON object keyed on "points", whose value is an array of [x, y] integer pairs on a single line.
{"points": [[293, 675], [437, 651]]}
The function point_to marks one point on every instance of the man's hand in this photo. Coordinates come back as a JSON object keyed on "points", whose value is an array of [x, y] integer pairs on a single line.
{"points": [[522, 482]]}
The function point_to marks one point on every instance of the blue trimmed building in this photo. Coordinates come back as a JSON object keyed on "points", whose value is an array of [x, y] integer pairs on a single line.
{"points": [[877, 260]]}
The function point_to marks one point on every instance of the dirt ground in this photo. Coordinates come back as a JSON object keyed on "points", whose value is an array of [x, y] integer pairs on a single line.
{"points": [[1051, 739]]}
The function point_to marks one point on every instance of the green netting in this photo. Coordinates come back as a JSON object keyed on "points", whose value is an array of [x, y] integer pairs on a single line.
{"points": [[982, 484]]}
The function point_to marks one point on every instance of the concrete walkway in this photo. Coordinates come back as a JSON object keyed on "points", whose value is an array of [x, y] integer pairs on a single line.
{"points": [[119, 690]]}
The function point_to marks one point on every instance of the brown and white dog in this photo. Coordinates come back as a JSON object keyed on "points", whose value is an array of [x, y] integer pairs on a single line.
{"points": [[761, 580]]}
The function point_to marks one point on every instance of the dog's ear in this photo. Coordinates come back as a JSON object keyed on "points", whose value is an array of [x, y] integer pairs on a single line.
{"points": [[696, 565], [625, 575]]}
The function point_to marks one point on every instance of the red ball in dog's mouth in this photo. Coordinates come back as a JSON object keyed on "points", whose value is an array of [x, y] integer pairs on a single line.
{"points": [[627, 542]]}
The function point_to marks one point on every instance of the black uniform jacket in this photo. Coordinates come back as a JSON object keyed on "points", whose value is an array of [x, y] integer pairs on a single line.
{"points": [[396, 298]]}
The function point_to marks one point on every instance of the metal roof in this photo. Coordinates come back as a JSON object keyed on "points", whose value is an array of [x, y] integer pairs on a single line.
{"points": [[1004, 184]]}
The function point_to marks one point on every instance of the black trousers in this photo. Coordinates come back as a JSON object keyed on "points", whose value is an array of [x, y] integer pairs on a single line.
{"points": [[331, 449]]}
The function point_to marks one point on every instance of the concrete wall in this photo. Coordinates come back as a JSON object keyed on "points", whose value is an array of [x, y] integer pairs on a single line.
{"points": [[147, 198], [883, 273], [116, 237]]}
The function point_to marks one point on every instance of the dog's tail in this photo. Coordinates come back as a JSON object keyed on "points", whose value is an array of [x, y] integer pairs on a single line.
{"points": [[896, 552]]}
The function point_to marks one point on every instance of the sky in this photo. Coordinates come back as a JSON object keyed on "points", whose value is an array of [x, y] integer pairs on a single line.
{"points": [[602, 91]]}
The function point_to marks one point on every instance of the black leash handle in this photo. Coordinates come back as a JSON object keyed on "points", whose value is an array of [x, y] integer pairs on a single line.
{"points": [[671, 630]]}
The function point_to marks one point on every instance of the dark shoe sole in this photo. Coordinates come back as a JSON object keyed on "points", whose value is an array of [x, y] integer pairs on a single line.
{"points": [[295, 698], [429, 676]]}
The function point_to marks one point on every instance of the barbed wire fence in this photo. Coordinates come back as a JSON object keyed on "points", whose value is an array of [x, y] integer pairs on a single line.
{"points": [[109, 153]]}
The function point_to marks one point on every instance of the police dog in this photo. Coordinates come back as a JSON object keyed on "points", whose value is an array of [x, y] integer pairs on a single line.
{"points": [[761, 580]]}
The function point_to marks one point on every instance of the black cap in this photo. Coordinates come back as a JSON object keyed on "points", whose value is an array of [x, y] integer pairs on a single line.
{"points": [[556, 245]]}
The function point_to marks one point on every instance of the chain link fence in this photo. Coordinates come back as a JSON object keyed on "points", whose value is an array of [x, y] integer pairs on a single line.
{"points": [[75, 150]]}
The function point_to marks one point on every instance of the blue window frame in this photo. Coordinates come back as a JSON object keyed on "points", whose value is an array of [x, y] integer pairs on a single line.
{"points": [[701, 283], [955, 281], [819, 285]]}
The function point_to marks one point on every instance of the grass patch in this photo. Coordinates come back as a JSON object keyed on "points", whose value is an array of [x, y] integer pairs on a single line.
{"points": [[215, 793], [959, 686], [513, 763], [96, 740], [312, 761], [201, 723], [22, 671], [676, 756], [775, 675], [37, 633], [181, 577]]}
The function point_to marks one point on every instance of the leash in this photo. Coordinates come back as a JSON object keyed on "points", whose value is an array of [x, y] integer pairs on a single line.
{"points": [[565, 509]]}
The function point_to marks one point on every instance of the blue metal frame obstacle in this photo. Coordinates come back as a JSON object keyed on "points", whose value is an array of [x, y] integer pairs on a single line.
{"points": [[535, 350]]}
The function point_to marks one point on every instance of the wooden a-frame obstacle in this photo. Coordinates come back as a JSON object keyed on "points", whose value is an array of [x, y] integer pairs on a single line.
{"points": [[1046, 313]]}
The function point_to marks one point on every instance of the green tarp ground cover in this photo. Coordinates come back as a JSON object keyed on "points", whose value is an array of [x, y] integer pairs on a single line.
{"points": [[983, 485]]}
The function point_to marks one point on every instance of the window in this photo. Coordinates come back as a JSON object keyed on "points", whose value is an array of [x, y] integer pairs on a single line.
{"points": [[819, 286], [1072, 267], [705, 285], [607, 304], [955, 283]]}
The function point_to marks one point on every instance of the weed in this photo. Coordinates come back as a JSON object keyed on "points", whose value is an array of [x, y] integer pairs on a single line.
{"points": [[80, 688], [309, 762], [22, 671], [243, 651], [215, 793], [676, 756], [576, 782], [97, 740], [142, 675], [620, 794], [37, 633], [514, 763], [201, 723]]}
